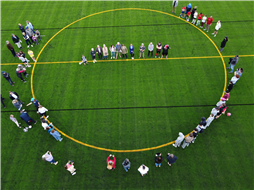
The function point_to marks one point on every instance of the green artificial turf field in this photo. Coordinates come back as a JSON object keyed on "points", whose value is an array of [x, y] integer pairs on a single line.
{"points": [[127, 105]]}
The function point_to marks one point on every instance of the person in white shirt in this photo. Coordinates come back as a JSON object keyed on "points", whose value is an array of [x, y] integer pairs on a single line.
{"points": [[150, 49], [209, 120], [194, 17], [15, 121], [179, 140], [203, 21], [143, 169], [174, 4], [217, 27], [49, 158], [42, 111]]}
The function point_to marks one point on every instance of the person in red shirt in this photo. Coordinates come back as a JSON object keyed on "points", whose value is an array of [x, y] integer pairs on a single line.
{"points": [[183, 10], [199, 18], [188, 16], [111, 164], [222, 110], [209, 23]]}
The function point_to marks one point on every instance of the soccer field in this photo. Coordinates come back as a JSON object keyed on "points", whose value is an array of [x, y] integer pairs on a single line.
{"points": [[132, 108]]}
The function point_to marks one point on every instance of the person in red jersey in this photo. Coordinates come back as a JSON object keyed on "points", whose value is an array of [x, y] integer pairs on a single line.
{"points": [[209, 23], [199, 18], [188, 16], [158, 49], [182, 13]]}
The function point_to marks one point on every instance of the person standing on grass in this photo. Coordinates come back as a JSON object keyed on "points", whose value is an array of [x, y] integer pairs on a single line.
{"points": [[182, 13], [44, 123], [16, 41], [111, 164], [158, 49], [237, 76], [171, 159], [22, 28], [193, 11], [165, 49], [124, 51], [31, 54], [14, 96], [143, 169], [19, 75], [93, 55], [49, 158], [35, 102], [99, 51], [42, 111], [233, 62], [203, 21], [209, 23], [126, 164], [203, 121], [27, 39], [230, 87], [179, 140], [131, 48], [8, 78], [22, 69], [142, 51], [34, 38], [199, 18], [24, 60], [30, 26], [10, 47], [188, 16], [29, 32], [17, 104], [15, 121], [105, 51], [24, 116], [70, 167], [118, 49], [195, 134], [158, 159], [195, 15], [188, 9], [222, 110], [187, 140], [2, 100], [223, 43], [209, 120], [217, 27], [222, 101], [38, 34], [83, 60], [113, 51], [150, 49], [174, 5]]}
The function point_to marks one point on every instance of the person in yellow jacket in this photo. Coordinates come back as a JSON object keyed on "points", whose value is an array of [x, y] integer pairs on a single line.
{"points": [[31, 53]]}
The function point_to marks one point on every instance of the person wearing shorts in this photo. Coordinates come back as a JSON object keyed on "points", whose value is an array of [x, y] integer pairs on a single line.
{"points": [[49, 158], [217, 27], [188, 9], [158, 49], [188, 16], [84, 60], [182, 13]]}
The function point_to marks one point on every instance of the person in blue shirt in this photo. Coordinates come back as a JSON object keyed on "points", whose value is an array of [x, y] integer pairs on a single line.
{"points": [[171, 159], [36, 103], [24, 116], [188, 8], [131, 48]]}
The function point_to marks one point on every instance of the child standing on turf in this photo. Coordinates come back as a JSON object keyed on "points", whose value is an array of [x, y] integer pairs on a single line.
{"points": [[195, 15], [199, 18], [217, 27], [35, 39], [70, 167], [158, 49], [111, 164], [49, 158], [113, 51], [31, 54], [131, 48], [188, 9], [38, 34], [15, 121], [209, 23], [203, 21], [93, 55], [183, 9], [188, 16]]}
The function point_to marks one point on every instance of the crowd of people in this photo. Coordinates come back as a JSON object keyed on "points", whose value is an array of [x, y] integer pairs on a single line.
{"points": [[121, 51], [30, 35]]}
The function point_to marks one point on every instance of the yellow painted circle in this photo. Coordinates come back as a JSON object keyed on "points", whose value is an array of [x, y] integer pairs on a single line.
{"points": [[122, 9]]}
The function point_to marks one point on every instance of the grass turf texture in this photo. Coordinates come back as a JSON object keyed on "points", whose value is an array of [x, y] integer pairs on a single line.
{"points": [[221, 158]]}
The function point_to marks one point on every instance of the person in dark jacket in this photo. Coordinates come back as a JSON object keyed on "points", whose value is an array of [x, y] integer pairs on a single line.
{"points": [[158, 159], [171, 159], [230, 87], [203, 121], [15, 96], [10, 47], [193, 11], [26, 118], [223, 43], [22, 28], [19, 74], [165, 49], [99, 51], [233, 62], [195, 134], [27, 39], [16, 41], [222, 110], [2, 100], [8, 78], [126, 164], [93, 55]]}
